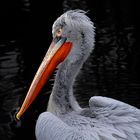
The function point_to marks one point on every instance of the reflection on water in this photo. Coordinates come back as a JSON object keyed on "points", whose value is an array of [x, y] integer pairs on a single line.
{"points": [[11, 84]]}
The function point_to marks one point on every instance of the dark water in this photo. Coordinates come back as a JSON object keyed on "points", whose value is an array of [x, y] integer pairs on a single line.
{"points": [[16, 74], [11, 85], [112, 69]]}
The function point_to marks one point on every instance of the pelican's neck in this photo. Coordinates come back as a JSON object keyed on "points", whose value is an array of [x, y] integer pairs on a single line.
{"points": [[62, 99]]}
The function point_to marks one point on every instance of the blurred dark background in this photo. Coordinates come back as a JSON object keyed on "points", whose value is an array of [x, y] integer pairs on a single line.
{"points": [[25, 34]]}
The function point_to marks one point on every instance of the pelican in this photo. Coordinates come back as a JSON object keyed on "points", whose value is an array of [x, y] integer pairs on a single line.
{"points": [[105, 118]]}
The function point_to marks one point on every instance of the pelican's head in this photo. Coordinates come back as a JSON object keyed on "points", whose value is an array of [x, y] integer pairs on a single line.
{"points": [[78, 29], [73, 39]]}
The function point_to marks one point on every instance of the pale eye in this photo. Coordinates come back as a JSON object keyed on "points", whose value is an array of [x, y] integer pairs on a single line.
{"points": [[59, 33]]}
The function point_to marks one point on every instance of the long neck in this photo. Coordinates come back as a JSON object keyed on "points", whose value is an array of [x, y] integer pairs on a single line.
{"points": [[62, 99]]}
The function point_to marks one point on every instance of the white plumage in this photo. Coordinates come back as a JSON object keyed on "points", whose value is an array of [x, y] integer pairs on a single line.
{"points": [[106, 119]]}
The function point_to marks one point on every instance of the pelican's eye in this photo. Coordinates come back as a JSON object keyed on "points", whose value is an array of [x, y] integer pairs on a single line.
{"points": [[59, 33]]}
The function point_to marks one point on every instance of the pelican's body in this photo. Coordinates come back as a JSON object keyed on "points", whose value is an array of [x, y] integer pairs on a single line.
{"points": [[105, 119]]}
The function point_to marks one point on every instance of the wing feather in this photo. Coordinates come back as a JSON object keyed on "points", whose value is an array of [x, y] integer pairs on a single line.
{"points": [[109, 120], [122, 120]]}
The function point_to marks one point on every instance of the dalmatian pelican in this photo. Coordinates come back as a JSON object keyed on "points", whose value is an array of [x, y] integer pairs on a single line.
{"points": [[105, 118]]}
